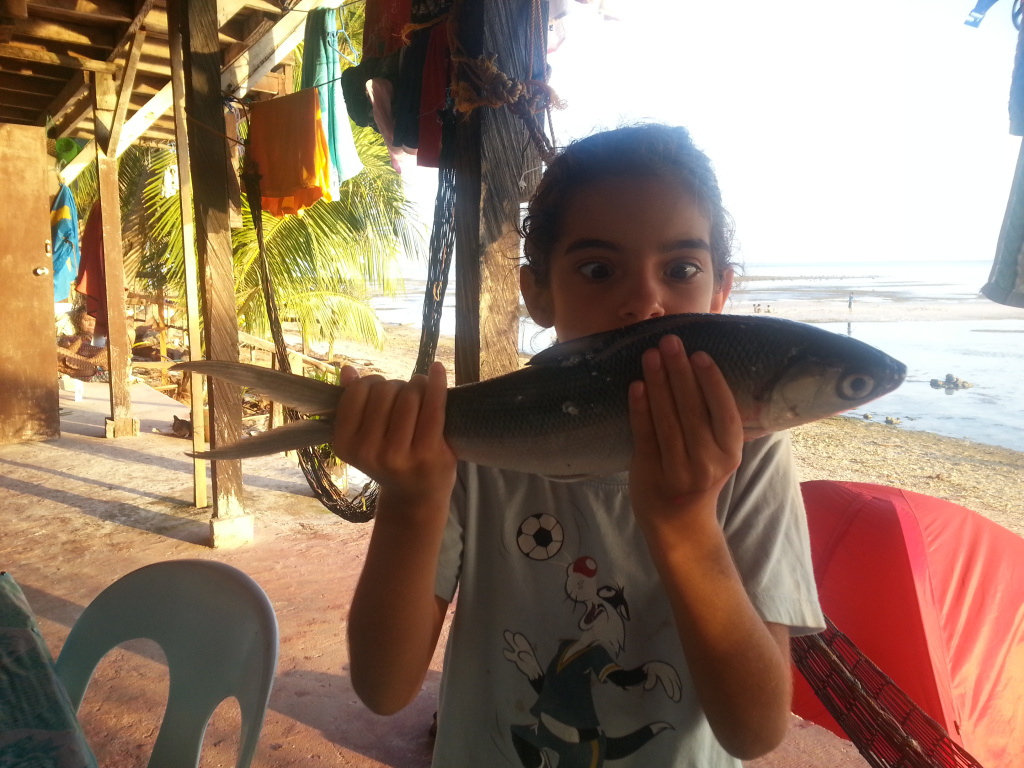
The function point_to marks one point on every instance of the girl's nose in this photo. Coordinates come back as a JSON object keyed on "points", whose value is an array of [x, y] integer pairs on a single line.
{"points": [[641, 300]]}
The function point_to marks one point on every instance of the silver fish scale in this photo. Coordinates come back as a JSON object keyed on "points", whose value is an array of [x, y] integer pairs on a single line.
{"points": [[569, 408]]}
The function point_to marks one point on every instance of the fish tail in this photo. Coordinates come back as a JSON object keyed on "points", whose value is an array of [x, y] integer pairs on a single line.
{"points": [[290, 437], [305, 395]]}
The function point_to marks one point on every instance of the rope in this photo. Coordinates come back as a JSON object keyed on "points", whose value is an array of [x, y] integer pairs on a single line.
{"points": [[485, 85]]}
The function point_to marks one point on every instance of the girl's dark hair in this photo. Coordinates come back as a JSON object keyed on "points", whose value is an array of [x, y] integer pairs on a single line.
{"points": [[641, 150]]}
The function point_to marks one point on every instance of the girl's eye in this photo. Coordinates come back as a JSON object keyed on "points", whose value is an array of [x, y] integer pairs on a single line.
{"points": [[596, 270], [683, 270]]}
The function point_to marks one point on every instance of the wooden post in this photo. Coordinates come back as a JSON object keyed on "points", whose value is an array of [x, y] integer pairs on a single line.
{"points": [[188, 235], [120, 423], [209, 163], [494, 156]]}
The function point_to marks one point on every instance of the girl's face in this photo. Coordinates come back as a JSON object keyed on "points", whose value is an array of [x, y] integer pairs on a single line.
{"points": [[630, 249]]}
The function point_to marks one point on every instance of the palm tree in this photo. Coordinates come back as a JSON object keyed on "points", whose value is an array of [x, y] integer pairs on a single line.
{"points": [[323, 264]]}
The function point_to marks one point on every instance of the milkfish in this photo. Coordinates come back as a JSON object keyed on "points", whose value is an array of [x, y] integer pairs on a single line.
{"points": [[566, 413]]}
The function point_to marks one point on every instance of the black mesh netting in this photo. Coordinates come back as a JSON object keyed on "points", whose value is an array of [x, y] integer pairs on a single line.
{"points": [[885, 725]]}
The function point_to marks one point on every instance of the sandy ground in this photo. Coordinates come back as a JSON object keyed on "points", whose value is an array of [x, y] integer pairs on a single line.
{"points": [[78, 512]]}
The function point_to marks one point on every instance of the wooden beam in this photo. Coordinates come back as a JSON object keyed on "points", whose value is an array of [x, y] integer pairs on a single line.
{"points": [[66, 33], [108, 12], [120, 423], [492, 146], [209, 163], [34, 70], [468, 190], [267, 52], [124, 91], [19, 84], [237, 78], [188, 237], [29, 102], [75, 91], [133, 27], [72, 118], [11, 114], [20, 53], [157, 26]]}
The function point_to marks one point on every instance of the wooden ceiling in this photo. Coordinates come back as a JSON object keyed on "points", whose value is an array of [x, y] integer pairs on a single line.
{"points": [[51, 50]]}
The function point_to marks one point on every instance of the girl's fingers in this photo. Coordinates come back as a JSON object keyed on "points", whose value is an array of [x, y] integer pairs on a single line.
{"points": [[432, 411], [348, 375], [401, 429], [640, 421], [695, 412], [348, 420], [377, 413], [726, 423]]}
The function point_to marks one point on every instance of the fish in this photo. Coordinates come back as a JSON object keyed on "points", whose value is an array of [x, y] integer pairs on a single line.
{"points": [[566, 413]]}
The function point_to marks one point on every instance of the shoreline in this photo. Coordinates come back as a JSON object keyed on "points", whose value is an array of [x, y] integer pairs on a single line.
{"points": [[872, 308], [981, 477]]}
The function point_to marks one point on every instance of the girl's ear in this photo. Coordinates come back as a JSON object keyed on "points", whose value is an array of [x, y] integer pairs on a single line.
{"points": [[536, 297], [720, 296]]}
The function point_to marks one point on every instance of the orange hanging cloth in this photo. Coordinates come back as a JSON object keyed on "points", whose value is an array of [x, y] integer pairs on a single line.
{"points": [[288, 145]]}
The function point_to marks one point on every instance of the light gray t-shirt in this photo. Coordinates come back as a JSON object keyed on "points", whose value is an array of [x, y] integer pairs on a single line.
{"points": [[563, 645]]}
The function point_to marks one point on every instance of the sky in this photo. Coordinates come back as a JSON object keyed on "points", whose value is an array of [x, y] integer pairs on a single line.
{"points": [[841, 131]]}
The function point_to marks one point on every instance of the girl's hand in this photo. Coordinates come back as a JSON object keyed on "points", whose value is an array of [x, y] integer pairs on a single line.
{"points": [[687, 434], [394, 432]]}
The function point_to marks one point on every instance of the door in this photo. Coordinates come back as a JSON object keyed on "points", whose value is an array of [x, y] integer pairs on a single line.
{"points": [[29, 405]]}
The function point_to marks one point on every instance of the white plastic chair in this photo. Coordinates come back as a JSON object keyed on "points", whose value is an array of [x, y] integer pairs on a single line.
{"points": [[218, 631]]}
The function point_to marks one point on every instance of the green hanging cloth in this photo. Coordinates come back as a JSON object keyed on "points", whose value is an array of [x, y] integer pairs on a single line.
{"points": [[321, 68]]}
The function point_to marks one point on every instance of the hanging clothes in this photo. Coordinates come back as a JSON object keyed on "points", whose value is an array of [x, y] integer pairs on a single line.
{"points": [[382, 30], [288, 145], [437, 77], [64, 237], [91, 279], [321, 68]]}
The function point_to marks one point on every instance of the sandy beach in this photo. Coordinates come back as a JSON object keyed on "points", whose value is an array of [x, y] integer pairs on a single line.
{"points": [[983, 478]]}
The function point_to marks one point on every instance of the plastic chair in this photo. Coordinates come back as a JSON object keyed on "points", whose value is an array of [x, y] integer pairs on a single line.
{"points": [[218, 631]]}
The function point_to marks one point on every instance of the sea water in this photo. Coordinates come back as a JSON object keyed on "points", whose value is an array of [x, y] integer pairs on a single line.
{"points": [[987, 353]]}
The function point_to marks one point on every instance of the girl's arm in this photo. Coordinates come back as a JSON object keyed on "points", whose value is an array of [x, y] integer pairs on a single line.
{"points": [[393, 431], [688, 437]]}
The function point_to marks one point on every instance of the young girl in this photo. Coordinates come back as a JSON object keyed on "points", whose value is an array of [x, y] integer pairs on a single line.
{"points": [[642, 618]]}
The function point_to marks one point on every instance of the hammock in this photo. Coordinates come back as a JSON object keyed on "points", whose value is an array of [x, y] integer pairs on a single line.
{"points": [[886, 726]]}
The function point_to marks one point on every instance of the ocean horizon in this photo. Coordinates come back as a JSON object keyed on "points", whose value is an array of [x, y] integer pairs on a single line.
{"points": [[989, 354]]}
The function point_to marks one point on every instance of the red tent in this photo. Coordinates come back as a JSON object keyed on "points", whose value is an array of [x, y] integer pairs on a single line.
{"points": [[933, 593]]}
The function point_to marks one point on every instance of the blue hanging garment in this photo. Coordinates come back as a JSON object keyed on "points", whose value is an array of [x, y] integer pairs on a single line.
{"points": [[321, 68], [64, 235]]}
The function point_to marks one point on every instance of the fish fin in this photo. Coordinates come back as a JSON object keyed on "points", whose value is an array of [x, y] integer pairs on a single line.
{"points": [[294, 435], [304, 395]]}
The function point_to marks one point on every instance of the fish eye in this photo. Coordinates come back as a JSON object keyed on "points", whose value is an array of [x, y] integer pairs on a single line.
{"points": [[856, 386]]}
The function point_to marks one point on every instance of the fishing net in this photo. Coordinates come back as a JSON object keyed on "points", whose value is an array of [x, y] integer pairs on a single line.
{"points": [[886, 726], [313, 461]]}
